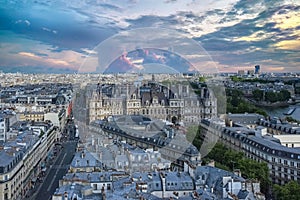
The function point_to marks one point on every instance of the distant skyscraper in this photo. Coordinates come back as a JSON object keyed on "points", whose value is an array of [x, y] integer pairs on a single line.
{"points": [[250, 72], [241, 72], [257, 69]]}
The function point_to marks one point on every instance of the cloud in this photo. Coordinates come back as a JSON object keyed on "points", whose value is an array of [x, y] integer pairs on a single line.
{"points": [[170, 1], [35, 69], [18, 52], [89, 51], [288, 44], [256, 36], [28, 54], [49, 30], [27, 22], [287, 17], [233, 32], [45, 60], [259, 40]]}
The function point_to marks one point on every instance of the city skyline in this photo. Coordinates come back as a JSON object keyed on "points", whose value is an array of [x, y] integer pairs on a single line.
{"points": [[58, 36]]}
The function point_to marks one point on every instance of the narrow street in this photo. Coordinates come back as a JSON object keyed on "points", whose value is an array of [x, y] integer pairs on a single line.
{"points": [[57, 171], [59, 167]]}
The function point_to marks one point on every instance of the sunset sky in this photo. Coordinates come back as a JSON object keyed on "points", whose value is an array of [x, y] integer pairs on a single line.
{"points": [[57, 36]]}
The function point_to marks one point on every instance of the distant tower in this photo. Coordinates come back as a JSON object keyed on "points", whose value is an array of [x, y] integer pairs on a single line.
{"points": [[153, 78], [257, 69]]}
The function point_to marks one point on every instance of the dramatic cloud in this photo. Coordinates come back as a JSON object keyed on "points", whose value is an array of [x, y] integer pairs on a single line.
{"points": [[22, 52], [236, 33]]}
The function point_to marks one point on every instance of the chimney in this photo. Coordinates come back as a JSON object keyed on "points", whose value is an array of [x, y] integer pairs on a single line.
{"points": [[163, 178], [100, 155], [202, 93], [187, 90], [238, 172], [66, 195]]}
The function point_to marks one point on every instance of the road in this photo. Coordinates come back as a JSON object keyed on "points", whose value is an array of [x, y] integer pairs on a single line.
{"points": [[57, 171], [60, 166]]}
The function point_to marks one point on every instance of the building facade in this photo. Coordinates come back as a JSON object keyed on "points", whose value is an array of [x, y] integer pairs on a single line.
{"points": [[176, 103], [283, 161], [21, 161]]}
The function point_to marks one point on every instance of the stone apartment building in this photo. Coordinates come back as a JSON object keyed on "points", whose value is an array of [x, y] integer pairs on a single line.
{"points": [[258, 143], [21, 160]]}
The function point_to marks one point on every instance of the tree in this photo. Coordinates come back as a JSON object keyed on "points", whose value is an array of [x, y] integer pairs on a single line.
{"points": [[286, 95], [194, 136], [289, 191], [202, 79], [271, 97], [236, 160], [235, 101], [258, 95], [283, 95]]}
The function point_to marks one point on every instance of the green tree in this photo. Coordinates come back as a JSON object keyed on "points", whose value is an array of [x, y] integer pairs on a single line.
{"points": [[236, 79], [236, 103], [202, 79], [193, 135], [286, 95], [258, 95], [271, 97], [236, 160], [289, 191]]}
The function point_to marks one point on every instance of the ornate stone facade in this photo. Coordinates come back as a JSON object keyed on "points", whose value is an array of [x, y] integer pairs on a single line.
{"points": [[172, 102]]}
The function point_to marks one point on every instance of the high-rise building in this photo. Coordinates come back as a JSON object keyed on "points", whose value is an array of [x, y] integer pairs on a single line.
{"points": [[241, 72], [257, 69]]}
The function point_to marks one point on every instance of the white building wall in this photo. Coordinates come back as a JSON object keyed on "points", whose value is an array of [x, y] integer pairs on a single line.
{"points": [[53, 117], [291, 140]]}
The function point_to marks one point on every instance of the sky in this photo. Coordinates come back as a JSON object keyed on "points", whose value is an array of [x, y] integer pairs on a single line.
{"points": [[56, 36]]}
